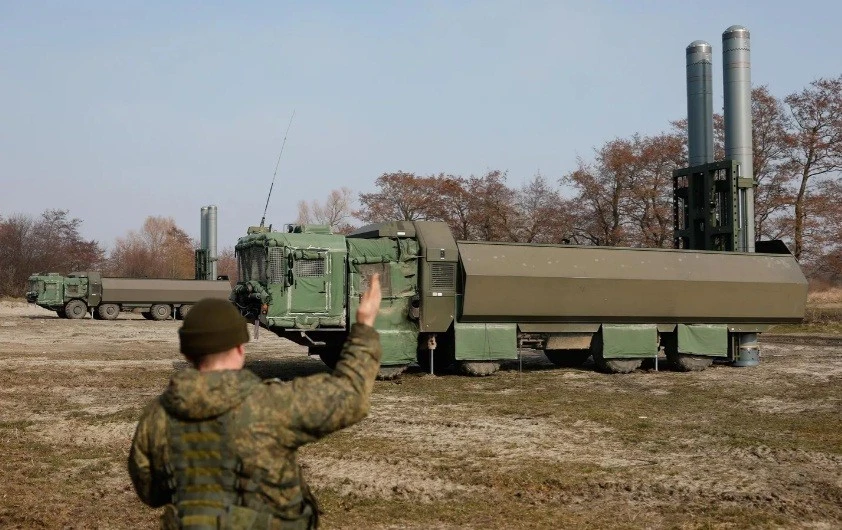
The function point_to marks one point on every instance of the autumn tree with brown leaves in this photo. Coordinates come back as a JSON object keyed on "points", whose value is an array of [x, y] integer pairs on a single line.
{"points": [[480, 207], [401, 196], [159, 250], [624, 196]]}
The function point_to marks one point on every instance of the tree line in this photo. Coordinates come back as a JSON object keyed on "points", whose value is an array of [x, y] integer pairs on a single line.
{"points": [[620, 196]]}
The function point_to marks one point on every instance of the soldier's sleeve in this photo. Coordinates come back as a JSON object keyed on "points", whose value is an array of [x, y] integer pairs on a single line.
{"points": [[148, 479], [322, 404]]}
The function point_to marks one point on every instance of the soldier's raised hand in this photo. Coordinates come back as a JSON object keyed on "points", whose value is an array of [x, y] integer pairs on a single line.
{"points": [[370, 302]]}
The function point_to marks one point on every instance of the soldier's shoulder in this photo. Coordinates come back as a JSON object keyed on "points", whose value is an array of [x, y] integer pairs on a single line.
{"points": [[153, 418], [154, 407]]}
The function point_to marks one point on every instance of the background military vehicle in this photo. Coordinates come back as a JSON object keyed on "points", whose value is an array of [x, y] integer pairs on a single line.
{"points": [[74, 295]]}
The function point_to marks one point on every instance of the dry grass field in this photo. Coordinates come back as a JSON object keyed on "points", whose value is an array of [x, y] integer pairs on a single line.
{"points": [[539, 448]]}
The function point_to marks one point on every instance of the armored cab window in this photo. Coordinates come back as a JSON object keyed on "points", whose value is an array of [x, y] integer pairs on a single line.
{"points": [[277, 265], [251, 264], [254, 264], [241, 277], [384, 270], [309, 268]]}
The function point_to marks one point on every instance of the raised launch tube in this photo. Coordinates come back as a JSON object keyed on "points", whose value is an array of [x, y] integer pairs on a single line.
{"points": [[203, 228], [211, 235], [699, 103], [736, 65]]}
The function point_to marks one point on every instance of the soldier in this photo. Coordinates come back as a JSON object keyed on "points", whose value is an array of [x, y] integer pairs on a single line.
{"points": [[219, 447]]}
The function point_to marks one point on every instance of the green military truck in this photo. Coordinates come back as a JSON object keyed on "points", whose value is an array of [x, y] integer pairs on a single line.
{"points": [[476, 303], [78, 293]]}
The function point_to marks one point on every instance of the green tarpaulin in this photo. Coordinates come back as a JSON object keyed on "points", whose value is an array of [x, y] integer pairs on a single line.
{"points": [[703, 339], [478, 342], [629, 340]]}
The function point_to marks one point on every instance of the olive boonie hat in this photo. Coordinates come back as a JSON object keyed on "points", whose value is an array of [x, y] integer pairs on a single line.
{"points": [[212, 325]]}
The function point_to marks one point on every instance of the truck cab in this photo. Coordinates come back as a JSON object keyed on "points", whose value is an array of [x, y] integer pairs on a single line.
{"points": [[305, 283], [46, 290], [294, 279]]}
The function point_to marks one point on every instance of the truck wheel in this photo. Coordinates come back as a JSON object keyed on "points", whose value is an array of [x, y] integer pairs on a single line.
{"points": [[616, 366], [387, 373], [684, 362], [183, 310], [75, 309], [568, 358], [329, 356], [478, 368], [160, 311], [108, 311]]}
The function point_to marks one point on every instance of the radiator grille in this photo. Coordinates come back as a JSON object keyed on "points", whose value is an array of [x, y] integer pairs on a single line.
{"points": [[443, 277]]}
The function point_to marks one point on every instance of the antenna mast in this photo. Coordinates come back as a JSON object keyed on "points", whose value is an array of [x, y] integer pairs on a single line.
{"points": [[275, 174]]}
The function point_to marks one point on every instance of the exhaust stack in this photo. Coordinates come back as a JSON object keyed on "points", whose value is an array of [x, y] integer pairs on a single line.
{"points": [[699, 103], [736, 65]]}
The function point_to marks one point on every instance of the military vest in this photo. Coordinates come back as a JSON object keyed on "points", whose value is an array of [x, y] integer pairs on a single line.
{"points": [[211, 491]]}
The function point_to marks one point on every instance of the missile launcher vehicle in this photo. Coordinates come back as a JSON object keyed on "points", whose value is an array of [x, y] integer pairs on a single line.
{"points": [[474, 304]]}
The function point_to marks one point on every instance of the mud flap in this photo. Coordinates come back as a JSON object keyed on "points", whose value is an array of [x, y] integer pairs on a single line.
{"points": [[400, 346], [485, 342], [629, 341], [703, 339]]}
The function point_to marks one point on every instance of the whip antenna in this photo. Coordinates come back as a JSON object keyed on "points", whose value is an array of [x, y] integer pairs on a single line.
{"points": [[275, 174]]}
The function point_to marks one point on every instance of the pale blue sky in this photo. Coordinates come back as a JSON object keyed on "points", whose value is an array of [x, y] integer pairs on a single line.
{"points": [[119, 110]]}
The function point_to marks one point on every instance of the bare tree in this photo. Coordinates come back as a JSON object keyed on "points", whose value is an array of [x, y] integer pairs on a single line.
{"points": [[649, 205], [52, 243], [772, 145], [817, 152], [492, 208], [543, 215], [226, 264], [336, 211], [601, 191]]}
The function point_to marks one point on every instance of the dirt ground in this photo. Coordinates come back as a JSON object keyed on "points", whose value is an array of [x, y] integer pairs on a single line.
{"points": [[539, 448]]}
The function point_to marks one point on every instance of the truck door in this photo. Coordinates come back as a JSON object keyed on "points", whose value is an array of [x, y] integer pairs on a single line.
{"points": [[52, 292], [309, 279]]}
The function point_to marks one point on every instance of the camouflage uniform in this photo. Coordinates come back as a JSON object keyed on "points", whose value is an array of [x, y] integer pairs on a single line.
{"points": [[222, 438]]}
